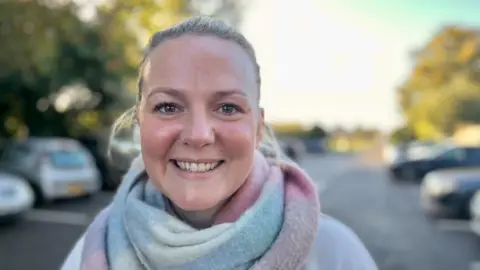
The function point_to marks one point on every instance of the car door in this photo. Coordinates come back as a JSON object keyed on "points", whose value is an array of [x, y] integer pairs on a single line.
{"points": [[472, 157], [19, 158], [455, 157]]}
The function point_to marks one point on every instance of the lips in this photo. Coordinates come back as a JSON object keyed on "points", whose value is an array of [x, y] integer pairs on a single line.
{"points": [[197, 167]]}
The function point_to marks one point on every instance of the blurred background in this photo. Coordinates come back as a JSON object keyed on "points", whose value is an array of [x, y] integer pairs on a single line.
{"points": [[379, 102]]}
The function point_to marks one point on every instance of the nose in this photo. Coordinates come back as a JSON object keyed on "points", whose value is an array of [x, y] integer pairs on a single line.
{"points": [[199, 131]]}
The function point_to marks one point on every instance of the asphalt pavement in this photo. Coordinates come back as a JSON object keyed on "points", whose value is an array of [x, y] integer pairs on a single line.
{"points": [[386, 216]]}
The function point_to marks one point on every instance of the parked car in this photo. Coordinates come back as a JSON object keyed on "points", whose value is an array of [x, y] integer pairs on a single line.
{"points": [[122, 153], [443, 157], [420, 149], [293, 149], [391, 154], [98, 150], [54, 167], [409, 151], [315, 145], [16, 196], [448, 193], [291, 152], [475, 213]]}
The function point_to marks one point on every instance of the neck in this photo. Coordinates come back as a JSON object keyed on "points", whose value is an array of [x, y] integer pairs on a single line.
{"points": [[198, 219]]}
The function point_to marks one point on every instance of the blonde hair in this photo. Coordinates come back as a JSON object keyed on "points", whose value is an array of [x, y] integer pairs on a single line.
{"points": [[204, 26]]}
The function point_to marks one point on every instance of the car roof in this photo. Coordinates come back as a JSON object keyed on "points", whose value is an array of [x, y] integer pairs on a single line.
{"points": [[39, 143], [456, 172], [467, 147]]}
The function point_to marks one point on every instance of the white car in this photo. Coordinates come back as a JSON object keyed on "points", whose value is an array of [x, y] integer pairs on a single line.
{"points": [[55, 167], [16, 196], [475, 213], [448, 192]]}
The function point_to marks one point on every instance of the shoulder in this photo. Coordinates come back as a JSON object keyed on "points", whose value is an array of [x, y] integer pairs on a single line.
{"points": [[337, 247], [73, 260]]}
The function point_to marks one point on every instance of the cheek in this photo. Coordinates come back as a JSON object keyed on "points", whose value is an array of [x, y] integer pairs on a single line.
{"points": [[238, 137], [157, 137]]}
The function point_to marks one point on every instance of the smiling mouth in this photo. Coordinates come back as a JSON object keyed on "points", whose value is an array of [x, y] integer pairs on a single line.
{"points": [[193, 167]]}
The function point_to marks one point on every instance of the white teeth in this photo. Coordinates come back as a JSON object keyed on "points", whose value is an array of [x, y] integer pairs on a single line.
{"points": [[182, 165], [197, 167]]}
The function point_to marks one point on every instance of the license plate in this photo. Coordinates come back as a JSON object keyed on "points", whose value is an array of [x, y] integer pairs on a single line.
{"points": [[75, 189]]}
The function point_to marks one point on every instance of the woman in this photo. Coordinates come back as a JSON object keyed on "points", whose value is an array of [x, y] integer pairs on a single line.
{"points": [[211, 189]]}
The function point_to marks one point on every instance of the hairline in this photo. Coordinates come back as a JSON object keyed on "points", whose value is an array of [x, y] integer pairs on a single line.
{"points": [[147, 57], [190, 28]]}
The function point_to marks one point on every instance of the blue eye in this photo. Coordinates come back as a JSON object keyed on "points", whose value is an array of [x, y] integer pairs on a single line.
{"points": [[167, 108], [229, 109]]}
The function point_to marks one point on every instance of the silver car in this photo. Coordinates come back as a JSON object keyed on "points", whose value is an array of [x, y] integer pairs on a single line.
{"points": [[54, 167], [16, 196], [448, 192], [475, 213]]}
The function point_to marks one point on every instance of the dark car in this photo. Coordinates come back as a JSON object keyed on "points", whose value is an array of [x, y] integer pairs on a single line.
{"points": [[113, 163], [315, 146], [451, 157], [293, 149], [448, 193], [291, 152]]}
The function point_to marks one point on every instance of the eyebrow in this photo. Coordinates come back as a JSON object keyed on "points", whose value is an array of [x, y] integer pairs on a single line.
{"points": [[165, 90], [179, 93]]}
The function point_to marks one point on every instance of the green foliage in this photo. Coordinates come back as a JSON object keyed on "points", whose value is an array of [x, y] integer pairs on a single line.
{"points": [[402, 135], [50, 53], [445, 74], [317, 132], [468, 109]]}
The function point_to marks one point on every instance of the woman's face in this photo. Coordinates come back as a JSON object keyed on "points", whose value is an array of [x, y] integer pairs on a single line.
{"points": [[199, 120]]}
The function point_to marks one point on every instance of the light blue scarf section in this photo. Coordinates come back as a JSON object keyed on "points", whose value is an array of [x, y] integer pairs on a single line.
{"points": [[142, 234]]}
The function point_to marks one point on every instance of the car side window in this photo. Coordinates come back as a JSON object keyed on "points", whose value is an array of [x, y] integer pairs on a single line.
{"points": [[19, 156], [454, 154], [473, 154]]}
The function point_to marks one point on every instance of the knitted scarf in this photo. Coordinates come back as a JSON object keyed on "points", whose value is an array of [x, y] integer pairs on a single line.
{"points": [[270, 223]]}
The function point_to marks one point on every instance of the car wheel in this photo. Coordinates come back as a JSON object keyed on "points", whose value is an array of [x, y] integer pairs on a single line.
{"points": [[408, 174], [394, 176], [11, 220], [39, 196]]}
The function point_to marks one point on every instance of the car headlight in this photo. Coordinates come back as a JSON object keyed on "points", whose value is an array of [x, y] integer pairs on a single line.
{"points": [[475, 205], [7, 191], [438, 186]]}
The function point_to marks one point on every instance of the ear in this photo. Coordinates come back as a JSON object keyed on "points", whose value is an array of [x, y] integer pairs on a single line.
{"points": [[260, 127]]}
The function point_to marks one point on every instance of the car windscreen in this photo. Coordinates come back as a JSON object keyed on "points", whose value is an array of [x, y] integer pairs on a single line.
{"points": [[68, 159], [440, 150]]}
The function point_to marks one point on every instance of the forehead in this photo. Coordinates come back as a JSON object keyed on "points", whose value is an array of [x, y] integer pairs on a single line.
{"points": [[200, 63]]}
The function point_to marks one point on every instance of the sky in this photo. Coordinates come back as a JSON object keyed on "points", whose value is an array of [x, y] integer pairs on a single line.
{"points": [[338, 62]]}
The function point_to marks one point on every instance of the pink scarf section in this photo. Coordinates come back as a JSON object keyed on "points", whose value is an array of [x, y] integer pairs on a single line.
{"points": [[301, 216], [297, 235]]}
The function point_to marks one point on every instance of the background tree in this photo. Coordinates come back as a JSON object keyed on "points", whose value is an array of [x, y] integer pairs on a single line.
{"points": [[69, 70], [446, 71], [402, 135], [317, 132], [468, 109]]}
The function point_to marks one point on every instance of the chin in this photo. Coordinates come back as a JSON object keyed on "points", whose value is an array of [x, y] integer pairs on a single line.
{"points": [[200, 204]]}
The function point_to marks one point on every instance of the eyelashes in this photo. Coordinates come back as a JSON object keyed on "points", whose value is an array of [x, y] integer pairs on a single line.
{"points": [[166, 108], [229, 109], [171, 108]]}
